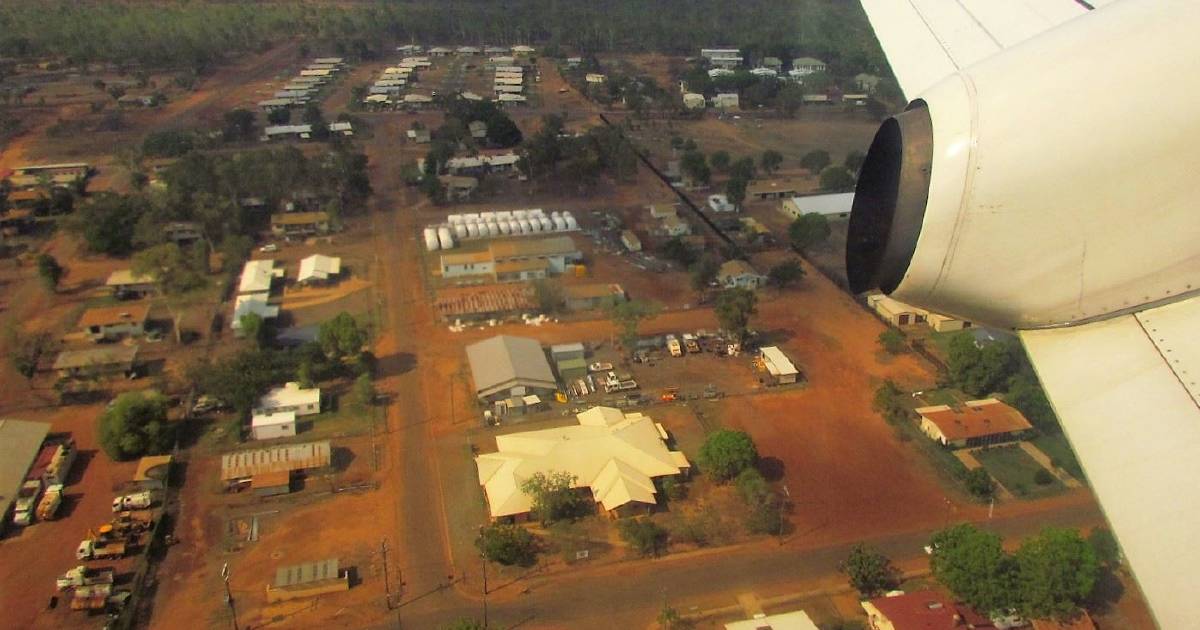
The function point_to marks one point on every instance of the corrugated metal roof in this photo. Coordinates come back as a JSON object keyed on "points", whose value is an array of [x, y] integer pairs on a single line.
{"points": [[505, 359], [20, 442], [306, 573], [242, 464]]}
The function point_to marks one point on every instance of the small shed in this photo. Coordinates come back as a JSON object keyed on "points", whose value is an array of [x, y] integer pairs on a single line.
{"points": [[308, 580], [779, 368], [563, 351], [271, 484], [631, 241], [268, 426]]}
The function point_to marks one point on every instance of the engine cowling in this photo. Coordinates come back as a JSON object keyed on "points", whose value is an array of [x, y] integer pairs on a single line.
{"points": [[1052, 184]]}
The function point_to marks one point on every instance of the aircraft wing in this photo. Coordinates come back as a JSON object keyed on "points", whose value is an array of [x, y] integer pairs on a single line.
{"points": [[1126, 390], [927, 40]]}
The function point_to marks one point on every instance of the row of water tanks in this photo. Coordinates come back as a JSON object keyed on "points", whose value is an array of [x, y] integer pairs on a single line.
{"points": [[495, 224]]}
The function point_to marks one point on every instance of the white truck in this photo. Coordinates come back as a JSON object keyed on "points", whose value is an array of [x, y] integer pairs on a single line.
{"points": [[26, 502], [83, 576], [135, 501], [674, 346], [47, 508]]}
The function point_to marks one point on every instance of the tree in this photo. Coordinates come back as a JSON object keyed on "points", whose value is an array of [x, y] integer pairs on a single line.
{"points": [[790, 98], [726, 453], [49, 271], [548, 295], [239, 126], [720, 160], [644, 535], [735, 191], [870, 572], [174, 271], [705, 271], [887, 402], [770, 161], [554, 496], [972, 564], [743, 168], [785, 273], [979, 371], [1056, 572], [808, 230], [815, 161], [678, 250], [734, 308], [695, 168], [136, 425], [669, 619], [362, 393], [627, 316], [836, 178], [1105, 546], [507, 544], [280, 116], [341, 337], [891, 340], [254, 328], [979, 483], [465, 623], [854, 162]]}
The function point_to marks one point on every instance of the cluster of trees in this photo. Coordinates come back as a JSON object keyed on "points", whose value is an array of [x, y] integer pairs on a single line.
{"points": [[1001, 367], [554, 496], [734, 307], [199, 35], [808, 230], [507, 544], [729, 455], [583, 158], [627, 317], [833, 177], [1050, 575], [136, 425]]}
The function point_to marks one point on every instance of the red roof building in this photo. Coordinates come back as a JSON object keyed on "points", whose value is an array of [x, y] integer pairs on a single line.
{"points": [[921, 610]]}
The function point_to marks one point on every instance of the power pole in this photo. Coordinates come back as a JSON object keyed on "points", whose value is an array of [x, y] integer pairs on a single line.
{"points": [[387, 587], [229, 595], [485, 594]]}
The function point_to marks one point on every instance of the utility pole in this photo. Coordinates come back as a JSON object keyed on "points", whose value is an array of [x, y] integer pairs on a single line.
{"points": [[787, 494], [229, 595], [387, 587], [485, 594]]}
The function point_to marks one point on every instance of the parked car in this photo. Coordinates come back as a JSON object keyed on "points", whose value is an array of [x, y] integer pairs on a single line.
{"points": [[269, 247], [135, 501]]}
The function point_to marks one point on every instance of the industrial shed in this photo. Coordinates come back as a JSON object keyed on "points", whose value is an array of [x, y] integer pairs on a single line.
{"points": [[20, 442], [244, 465], [506, 366], [308, 580]]}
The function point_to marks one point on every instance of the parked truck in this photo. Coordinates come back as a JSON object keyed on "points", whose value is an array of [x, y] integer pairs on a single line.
{"points": [[93, 597], [26, 502], [135, 501], [83, 576], [674, 347], [47, 508], [59, 469], [92, 549]]}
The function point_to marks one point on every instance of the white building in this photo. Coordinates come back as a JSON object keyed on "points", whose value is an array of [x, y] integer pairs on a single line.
{"points": [[739, 273], [804, 66], [268, 426], [726, 101], [691, 100], [257, 276], [251, 303], [832, 206], [318, 268], [779, 367], [720, 203], [290, 397], [795, 620]]}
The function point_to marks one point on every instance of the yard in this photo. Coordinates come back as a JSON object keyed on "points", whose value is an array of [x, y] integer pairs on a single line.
{"points": [[1016, 471], [1060, 453]]}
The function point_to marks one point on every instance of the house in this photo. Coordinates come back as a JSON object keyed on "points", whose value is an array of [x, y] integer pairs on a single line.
{"points": [[459, 187], [594, 78], [772, 189], [981, 423], [502, 79], [612, 456], [343, 127], [720, 72], [468, 50], [242, 466], [779, 368], [574, 61], [419, 136], [110, 323], [329, 61], [795, 620], [290, 397], [522, 50], [20, 444], [921, 610], [409, 49], [691, 100], [57, 175], [866, 82], [895, 312], [720, 203], [274, 132], [505, 366], [764, 72], [511, 98], [722, 57], [317, 269], [725, 101], [468, 263], [316, 72], [257, 276], [631, 241], [506, 88], [268, 426], [417, 100], [804, 66], [109, 360], [739, 273], [307, 580], [251, 304], [675, 225], [478, 129], [299, 224], [774, 63], [583, 297], [183, 233], [502, 163], [439, 51], [471, 96], [126, 284], [832, 206]]}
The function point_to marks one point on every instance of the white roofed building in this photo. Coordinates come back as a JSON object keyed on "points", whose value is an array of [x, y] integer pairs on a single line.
{"points": [[268, 426], [319, 268], [613, 456], [290, 397], [257, 276], [251, 304], [779, 368]]}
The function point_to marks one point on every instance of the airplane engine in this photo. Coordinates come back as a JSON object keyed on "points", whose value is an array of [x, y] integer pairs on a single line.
{"points": [[1052, 184]]}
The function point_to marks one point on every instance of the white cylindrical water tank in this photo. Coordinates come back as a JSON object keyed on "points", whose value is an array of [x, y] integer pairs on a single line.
{"points": [[504, 214], [514, 227], [470, 216], [473, 229], [493, 229], [445, 238], [560, 223], [454, 218], [460, 231], [505, 228], [519, 214], [571, 223], [547, 225], [525, 227], [487, 216], [537, 212], [431, 239], [535, 225]]}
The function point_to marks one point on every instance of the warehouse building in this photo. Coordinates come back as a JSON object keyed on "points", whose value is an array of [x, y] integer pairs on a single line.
{"points": [[20, 443], [506, 366]]}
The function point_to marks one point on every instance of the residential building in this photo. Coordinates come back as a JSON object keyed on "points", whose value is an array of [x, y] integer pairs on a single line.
{"points": [[57, 175], [726, 101], [508, 88], [183, 233], [772, 189], [521, 50], [720, 203], [245, 465], [795, 620], [779, 367], [299, 224], [257, 276], [764, 72], [691, 100], [980, 423], [439, 51], [505, 366], [290, 397], [268, 426], [583, 297], [478, 129], [921, 610], [804, 66], [594, 78], [468, 50], [319, 269], [675, 225], [419, 136], [459, 187], [612, 456], [125, 284], [108, 360], [631, 241], [251, 304], [109, 323], [20, 445], [719, 72], [417, 100], [709, 53], [511, 98], [739, 273], [834, 206]]}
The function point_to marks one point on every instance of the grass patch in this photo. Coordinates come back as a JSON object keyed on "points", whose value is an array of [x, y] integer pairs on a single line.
{"points": [[345, 421], [948, 467], [1060, 453], [943, 396], [1015, 470]]}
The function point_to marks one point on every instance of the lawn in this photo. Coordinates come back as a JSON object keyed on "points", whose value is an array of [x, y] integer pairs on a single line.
{"points": [[1060, 453], [1015, 470], [946, 396]]}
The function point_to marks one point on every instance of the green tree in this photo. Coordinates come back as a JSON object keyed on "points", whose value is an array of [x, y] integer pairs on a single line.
{"points": [[808, 230], [720, 160], [173, 270], [254, 328], [735, 191], [507, 544], [785, 273], [891, 341], [854, 162], [979, 371], [49, 271], [770, 161], [1105, 546], [554, 496], [362, 393], [734, 308], [644, 535], [465, 623], [1056, 572], [972, 564], [726, 453], [815, 161], [342, 337], [704, 271], [743, 168], [695, 167], [627, 317], [836, 178], [870, 572], [136, 425], [887, 402], [669, 619], [239, 126], [979, 483], [678, 250], [280, 116], [790, 98]]}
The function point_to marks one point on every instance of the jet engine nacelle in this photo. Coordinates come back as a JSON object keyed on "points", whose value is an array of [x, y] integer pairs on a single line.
{"points": [[1055, 183]]}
